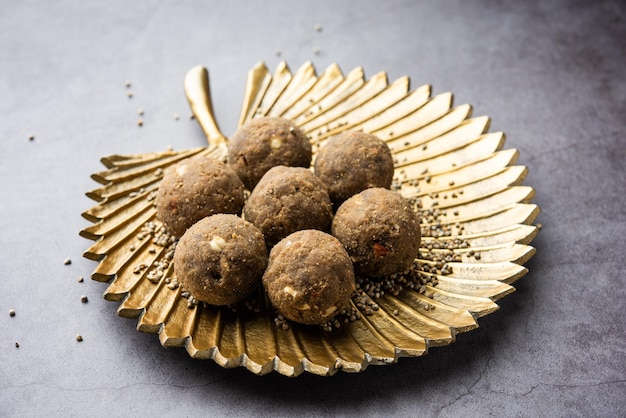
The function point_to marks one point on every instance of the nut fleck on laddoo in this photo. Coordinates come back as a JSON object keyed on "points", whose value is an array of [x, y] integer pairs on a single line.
{"points": [[380, 232], [286, 200], [195, 188], [263, 143], [351, 162], [220, 260], [309, 278]]}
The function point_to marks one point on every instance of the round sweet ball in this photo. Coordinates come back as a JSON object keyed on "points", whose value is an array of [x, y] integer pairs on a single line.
{"points": [[309, 278], [195, 188], [221, 259], [263, 143], [353, 161], [286, 200], [379, 230]]}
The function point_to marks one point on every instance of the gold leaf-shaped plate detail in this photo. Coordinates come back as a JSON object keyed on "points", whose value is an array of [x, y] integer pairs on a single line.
{"points": [[477, 217]]}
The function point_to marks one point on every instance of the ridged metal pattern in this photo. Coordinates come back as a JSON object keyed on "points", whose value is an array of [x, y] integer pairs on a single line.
{"points": [[445, 159]]}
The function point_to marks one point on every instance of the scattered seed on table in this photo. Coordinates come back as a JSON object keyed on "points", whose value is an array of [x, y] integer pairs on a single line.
{"points": [[79, 337], [139, 122], [278, 52], [84, 299], [80, 279], [130, 94], [17, 345], [176, 117], [127, 84], [317, 27], [11, 312], [140, 111], [192, 117], [67, 262], [316, 50], [31, 137]]}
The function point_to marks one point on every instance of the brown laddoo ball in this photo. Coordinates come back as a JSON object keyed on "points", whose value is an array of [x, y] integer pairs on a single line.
{"points": [[263, 143], [286, 200], [195, 188], [351, 162], [380, 232], [220, 260], [309, 278]]}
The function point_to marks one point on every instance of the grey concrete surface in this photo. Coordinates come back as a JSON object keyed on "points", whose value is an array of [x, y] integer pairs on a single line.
{"points": [[550, 74]]}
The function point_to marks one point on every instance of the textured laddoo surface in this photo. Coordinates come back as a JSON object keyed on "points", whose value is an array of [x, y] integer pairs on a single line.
{"points": [[286, 200], [351, 162], [309, 278], [195, 188], [220, 260], [380, 232], [263, 143]]}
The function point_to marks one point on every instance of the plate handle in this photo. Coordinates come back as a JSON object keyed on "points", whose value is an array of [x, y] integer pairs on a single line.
{"points": [[199, 98]]}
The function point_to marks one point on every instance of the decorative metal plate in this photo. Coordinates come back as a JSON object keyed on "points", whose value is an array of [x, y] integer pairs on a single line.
{"points": [[477, 217]]}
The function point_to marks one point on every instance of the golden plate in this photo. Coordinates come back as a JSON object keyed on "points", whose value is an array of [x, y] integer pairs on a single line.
{"points": [[466, 187]]}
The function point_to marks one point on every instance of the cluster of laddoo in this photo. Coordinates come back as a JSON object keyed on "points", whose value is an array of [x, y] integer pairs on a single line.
{"points": [[302, 233]]}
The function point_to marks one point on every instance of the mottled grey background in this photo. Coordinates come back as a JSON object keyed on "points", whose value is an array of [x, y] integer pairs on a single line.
{"points": [[550, 74]]}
